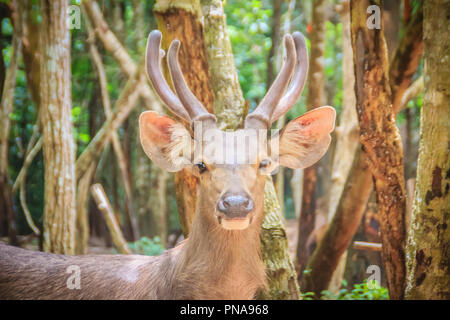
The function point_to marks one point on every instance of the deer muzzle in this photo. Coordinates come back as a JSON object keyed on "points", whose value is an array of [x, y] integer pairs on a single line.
{"points": [[234, 210]]}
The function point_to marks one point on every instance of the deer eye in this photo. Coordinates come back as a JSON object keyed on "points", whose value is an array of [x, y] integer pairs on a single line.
{"points": [[264, 163], [201, 167]]}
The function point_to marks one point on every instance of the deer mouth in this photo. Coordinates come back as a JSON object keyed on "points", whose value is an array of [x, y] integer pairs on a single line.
{"points": [[235, 223]]}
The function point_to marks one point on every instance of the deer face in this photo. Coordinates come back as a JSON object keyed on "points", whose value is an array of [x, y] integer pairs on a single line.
{"points": [[231, 167]]}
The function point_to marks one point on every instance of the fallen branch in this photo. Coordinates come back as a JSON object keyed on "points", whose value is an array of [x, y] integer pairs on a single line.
{"points": [[368, 246], [106, 209]]}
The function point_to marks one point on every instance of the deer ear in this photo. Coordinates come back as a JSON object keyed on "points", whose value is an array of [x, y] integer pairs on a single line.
{"points": [[305, 139], [166, 142]]}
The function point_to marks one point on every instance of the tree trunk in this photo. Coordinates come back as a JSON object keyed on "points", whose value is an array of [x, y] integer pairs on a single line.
{"points": [[58, 143], [314, 99], [30, 51], [6, 108], [381, 140], [428, 253]]}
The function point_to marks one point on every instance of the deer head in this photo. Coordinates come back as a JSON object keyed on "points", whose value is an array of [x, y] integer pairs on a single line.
{"points": [[232, 166]]}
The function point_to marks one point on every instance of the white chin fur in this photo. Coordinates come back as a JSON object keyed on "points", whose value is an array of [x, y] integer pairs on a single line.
{"points": [[235, 224]]}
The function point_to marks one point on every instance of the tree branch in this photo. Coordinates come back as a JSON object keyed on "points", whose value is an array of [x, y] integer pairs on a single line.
{"points": [[406, 58]]}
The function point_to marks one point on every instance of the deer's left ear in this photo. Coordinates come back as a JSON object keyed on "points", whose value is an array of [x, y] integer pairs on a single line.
{"points": [[305, 139]]}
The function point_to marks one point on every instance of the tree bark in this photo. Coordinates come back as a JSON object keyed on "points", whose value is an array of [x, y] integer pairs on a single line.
{"points": [[7, 107], [381, 141], [428, 253], [314, 99], [58, 143]]}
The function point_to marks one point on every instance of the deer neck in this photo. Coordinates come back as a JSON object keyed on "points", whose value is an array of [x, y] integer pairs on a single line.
{"points": [[229, 261]]}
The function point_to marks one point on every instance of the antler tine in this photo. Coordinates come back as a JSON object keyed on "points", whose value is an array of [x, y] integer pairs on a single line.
{"points": [[262, 115], [193, 106], [153, 66], [298, 78]]}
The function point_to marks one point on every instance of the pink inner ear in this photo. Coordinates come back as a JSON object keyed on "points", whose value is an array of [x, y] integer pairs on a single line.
{"points": [[156, 128], [317, 121]]}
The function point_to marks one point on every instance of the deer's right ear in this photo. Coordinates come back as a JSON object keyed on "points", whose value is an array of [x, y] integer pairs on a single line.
{"points": [[166, 142]]}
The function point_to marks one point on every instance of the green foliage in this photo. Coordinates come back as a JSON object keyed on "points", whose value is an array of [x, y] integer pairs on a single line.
{"points": [[147, 246], [368, 290], [249, 31]]}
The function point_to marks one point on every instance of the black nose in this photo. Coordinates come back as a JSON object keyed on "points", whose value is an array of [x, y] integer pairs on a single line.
{"points": [[235, 205]]}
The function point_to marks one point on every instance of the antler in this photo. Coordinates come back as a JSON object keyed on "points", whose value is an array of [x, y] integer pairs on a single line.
{"points": [[153, 66], [275, 104], [185, 105], [195, 109]]}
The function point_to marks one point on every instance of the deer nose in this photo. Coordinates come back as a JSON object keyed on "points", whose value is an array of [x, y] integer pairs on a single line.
{"points": [[235, 205]]}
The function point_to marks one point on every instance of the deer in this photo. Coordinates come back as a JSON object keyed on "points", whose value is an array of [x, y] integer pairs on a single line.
{"points": [[221, 257]]}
